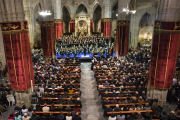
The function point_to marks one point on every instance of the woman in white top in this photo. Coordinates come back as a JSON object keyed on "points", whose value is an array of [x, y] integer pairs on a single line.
{"points": [[112, 117], [69, 117], [24, 110]]}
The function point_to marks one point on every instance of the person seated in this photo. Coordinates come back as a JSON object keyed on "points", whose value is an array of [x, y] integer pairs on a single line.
{"points": [[44, 117], [138, 116], [120, 117], [140, 100], [76, 108], [112, 117], [140, 107], [11, 116], [172, 116], [113, 101], [147, 116], [69, 117], [71, 91], [68, 108], [24, 109], [108, 109], [147, 107], [105, 102], [132, 108], [49, 101], [25, 117], [53, 108], [114, 94], [76, 117], [18, 117], [61, 116], [105, 94], [155, 108], [52, 117], [17, 108], [117, 108], [134, 100], [45, 108], [78, 102]]}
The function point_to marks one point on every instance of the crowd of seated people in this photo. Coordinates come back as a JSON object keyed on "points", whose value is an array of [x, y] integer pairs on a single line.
{"points": [[6, 96], [122, 86], [56, 93]]}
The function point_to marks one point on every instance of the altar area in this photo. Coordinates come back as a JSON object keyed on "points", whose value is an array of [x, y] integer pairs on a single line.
{"points": [[82, 24]]}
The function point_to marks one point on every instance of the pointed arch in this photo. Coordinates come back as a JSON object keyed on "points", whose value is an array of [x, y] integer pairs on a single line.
{"points": [[80, 8], [95, 5]]}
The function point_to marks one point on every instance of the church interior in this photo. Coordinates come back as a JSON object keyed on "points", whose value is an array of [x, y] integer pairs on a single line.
{"points": [[89, 60]]}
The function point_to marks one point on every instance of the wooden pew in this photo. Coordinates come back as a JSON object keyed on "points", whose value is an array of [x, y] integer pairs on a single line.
{"points": [[118, 93], [72, 84], [118, 98], [124, 87], [114, 105], [53, 112], [64, 105], [63, 88], [47, 98], [126, 112], [61, 93]]}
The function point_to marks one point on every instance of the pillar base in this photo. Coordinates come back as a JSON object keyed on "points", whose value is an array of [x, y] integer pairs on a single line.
{"points": [[122, 58], [157, 93], [24, 98]]}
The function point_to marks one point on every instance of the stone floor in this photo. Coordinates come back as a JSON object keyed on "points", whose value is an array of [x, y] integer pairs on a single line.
{"points": [[92, 109], [91, 102]]}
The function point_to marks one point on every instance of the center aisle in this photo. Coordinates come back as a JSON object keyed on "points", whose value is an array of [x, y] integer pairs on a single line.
{"points": [[91, 104]]}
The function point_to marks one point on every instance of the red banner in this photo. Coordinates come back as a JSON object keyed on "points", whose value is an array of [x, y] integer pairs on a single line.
{"points": [[72, 26], [58, 28], [92, 24], [18, 55], [102, 25], [165, 48], [122, 37], [47, 38], [107, 27]]}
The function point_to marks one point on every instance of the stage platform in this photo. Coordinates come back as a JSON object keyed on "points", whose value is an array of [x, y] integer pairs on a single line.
{"points": [[81, 56]]}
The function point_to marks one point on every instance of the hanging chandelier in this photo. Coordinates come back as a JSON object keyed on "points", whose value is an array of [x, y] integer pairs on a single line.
{"points": [[128, 11], [45, 13]]}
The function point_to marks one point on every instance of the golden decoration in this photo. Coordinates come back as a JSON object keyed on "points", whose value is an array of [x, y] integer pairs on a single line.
{"points": [[9, 26], [157, 26], [14, 27], [177, 25]]}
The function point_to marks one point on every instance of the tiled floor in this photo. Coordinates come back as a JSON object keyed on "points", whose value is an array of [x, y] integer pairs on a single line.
{"points": [[92, 109]]}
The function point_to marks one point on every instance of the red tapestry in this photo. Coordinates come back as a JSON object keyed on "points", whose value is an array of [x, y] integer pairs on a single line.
{"points": [[58, 28], [107, 27], [18, 55], [165, 48], [122, 37], [72, 26], [92, 24], [47, 38]]}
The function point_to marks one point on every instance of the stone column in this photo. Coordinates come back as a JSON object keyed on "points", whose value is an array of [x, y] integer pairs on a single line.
{"points": [[58, 22], [28, 17], [2, 53], [165, 50], [107, 20]]}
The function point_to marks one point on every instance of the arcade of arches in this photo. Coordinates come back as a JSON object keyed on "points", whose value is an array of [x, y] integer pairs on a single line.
{"points": [[154, 27]]}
